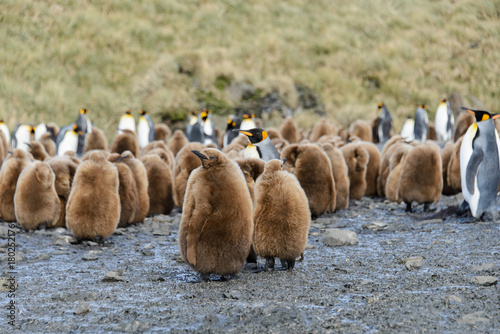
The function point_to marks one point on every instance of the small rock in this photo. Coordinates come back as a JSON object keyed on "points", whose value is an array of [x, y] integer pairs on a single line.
{"points": [[91, 256], [309, 246], [43, 257], [473, 318], [119, 231], [60, 230], [484, 280], [81, 308], [375, 226], [337, 237], [484, 267], [113, 276], [413, 262], [367, 282], [432, 221], [452, 299], [233, 294], [148, 250], [162, 219], [161, 232], [397, 227], [133, 327], [92, 243], [62, 240]]}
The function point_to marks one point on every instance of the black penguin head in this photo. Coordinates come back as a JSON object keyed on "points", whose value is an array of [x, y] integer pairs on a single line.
{"points": [[77, 129], [143, 112], [204, 114], [255, 135], [444, 100], [209, 157], [127, 112], [83, 111], [481, 115], [380, 105]]}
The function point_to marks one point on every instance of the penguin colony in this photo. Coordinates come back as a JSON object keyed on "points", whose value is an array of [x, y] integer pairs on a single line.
{"points": [[245, 190]]}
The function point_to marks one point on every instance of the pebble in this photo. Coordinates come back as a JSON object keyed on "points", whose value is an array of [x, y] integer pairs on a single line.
{"points": [[452, 299], [484, 267], [162, 219], [148, 250], [397, 227], [413, 262], [375, 226], [484, 280], [338, 237], [91, 256], [81, 308], [43, 257], [473, 318], [233, 294], [113, 276], [62, 240], [132, 327], [119, 231]]}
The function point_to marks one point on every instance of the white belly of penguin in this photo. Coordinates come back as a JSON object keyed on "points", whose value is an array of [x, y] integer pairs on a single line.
{"points": [[69, 143], [251, 152], [465, 154], [143, 132], [126, 123]]}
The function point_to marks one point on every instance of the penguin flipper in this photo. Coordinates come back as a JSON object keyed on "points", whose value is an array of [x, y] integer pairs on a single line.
{"points": [[472, 166]]}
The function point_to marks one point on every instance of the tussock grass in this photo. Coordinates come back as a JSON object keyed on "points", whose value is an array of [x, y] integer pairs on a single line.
{"points": [[171, 56]]}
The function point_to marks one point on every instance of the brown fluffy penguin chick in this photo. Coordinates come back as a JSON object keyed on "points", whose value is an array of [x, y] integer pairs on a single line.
{"points": [[96, 140], [464, 120], [4, 147], [454, 179], [356, 158], [38, 151], [431, 133], [88, 154], [321, 128], [160, 185], [340, 175], [48, 143], [446, 153], [35, 200], [160, 148], [288, 130], [396, 164], [64, 169], [93, 209], [217, 220], [185, 163], [421, 179], [12, 166], [361, 129], [281, 216], [251, 168], [384, 168], [177, 142], [141, 181], [372, 168], [162, 132], [155, 144], [313, 170], [126, 141], [129, 202]]}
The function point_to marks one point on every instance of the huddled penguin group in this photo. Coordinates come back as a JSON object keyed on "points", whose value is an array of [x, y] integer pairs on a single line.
{"points": [[248, 192]]}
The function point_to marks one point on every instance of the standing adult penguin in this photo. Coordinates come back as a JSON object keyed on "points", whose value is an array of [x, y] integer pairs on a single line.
{"points": [[194, 129], [86, 127], [281, 216], [384, 124], [146, 129], [408, 129], [127, 122], [232, 123], [421, 124], [444, 121], [21, 136], [217, 220], [479, 163], [248, 122], [208, 128], [68, 139], [260, 145], [5, 129]]}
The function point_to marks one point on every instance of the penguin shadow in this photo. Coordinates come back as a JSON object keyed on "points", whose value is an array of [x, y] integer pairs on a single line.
{"points": [[462, 214]]}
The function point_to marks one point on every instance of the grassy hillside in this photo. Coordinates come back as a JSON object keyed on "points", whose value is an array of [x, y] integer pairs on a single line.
{"points": [[169, 56]]}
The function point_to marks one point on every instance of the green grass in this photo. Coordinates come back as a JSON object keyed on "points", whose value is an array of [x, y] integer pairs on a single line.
{"points": [[171, 56]]}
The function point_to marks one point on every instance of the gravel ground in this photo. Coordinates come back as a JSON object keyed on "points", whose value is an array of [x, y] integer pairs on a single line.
{"points": [[417, 272]]}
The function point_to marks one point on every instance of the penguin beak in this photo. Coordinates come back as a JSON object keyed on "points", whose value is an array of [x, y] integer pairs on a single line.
{"points": [[495, 116], [249, 134], [200, 155], [28, 144], [470, 111], [120, 159]]}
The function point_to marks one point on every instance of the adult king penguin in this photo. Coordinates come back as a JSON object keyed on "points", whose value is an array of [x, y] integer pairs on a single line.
{"points": [[194, 129], [444, 121], [85, 127], [208, 128], [68, 139], [146, 129], [5, 129], [260, 145], [21, 136], [127, 122], [384, 124], [248, 122], [232, 123], [421, 128], [408, 129], [479, 164]]}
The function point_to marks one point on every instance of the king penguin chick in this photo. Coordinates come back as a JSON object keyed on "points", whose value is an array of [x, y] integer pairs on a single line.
{"points": [[321, 128], [384, 124], [4, 147], [479, 164], [141, 181], [281, 216], [408, 129], [464, 121], [444, 121], [194, 129], [177, 142], [217, 221], [162, 132], [396, 164], [96, 140], [48, 143], [454, 179], [372, 168], [421, 127], [35, 200], [64, 169], [12, 166], [208, 128], [127, 122], [312, 168], [185, 163], [127, 141], [446, 153], [67, 139], [5, 130], [129, 201], [356, 158], [260, 145], [362, 129], [232, 123], [160, 185], [145, 129], [21, 136], [38, 151], [340, 175], [421, 180], [251, 168], [384, 169], [93, 209], [289, 131]]}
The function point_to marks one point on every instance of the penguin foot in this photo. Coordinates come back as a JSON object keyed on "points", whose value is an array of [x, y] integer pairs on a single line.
{"points": [[203, 278], [463, 208], [269, 263], [99, 240], [287, 264], [252, 256], [427, 207], [301, 257], [408, 207]]}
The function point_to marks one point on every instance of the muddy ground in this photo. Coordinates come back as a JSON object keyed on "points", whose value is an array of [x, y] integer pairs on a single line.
{"points": [[137, 282]]}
